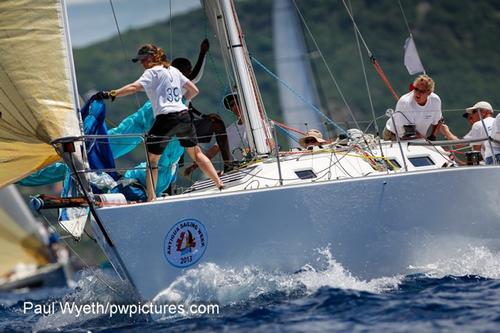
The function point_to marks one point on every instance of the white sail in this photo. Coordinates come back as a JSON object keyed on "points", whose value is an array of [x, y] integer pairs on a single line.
{"points": [[20, 238], [294, 68], [37, 102]]}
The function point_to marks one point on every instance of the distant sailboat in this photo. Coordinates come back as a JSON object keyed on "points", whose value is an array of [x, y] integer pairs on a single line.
{"points": [[26, 257], [294, 68]]}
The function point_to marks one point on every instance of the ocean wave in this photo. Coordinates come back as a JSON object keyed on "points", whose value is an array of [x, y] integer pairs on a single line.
{"points": [[228, 286], [477, 261]]}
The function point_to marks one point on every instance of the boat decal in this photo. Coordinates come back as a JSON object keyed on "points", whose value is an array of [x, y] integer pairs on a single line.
{"points": [[185, 243]]}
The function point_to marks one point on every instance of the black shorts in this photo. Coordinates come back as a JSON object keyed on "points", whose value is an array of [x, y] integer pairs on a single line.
{"points": [[203, 129], [167, 125]]}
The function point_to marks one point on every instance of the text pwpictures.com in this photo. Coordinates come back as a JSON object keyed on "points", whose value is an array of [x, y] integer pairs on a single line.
{"points": [[111, 309]]}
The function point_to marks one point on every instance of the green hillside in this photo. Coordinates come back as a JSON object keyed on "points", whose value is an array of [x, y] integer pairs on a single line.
{"points": [[457, 41]]}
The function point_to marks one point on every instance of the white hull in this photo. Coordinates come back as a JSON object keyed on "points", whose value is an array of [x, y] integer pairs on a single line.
{"points": [[375, 226]]}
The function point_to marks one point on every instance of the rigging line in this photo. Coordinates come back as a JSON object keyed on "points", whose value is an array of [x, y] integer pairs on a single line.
{"points": [[368, 91], [211, 61], [297, 94], [170, 27], [356, 34], [404, 18], [377, 66], [122, 44], [83, 260], [370, 54], [370, 122], [288, 127], [330, 72], [287, 133]]}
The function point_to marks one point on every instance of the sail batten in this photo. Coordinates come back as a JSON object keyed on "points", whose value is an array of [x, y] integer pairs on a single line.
{"points": [[37, 101]]}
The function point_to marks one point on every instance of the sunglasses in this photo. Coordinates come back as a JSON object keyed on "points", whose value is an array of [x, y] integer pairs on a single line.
{"points": [[420, 91], [309, 141]]}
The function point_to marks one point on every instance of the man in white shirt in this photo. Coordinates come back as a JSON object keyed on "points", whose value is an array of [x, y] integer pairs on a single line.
{"points": [[420, 107], [236, 136], [495, 134], [480, 115], [236, 132]]}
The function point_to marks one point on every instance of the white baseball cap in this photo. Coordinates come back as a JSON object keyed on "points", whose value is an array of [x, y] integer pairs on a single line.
{"points": [[480, 105]]}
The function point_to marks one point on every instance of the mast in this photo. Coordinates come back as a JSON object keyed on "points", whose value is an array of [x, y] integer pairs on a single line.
{"points": [[222, 15], [80, 162]]}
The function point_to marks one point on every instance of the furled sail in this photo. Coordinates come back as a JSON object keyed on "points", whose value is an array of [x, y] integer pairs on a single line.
{"points": [[37, 103], [20, 238]]}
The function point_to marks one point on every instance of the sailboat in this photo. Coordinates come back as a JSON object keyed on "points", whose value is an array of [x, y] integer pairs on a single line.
{"points": [[27, 259], [378, 206], [293, 67]]}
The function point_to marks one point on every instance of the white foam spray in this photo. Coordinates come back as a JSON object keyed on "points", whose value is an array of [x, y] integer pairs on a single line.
{"points": [[210, 283], [471, 260]]}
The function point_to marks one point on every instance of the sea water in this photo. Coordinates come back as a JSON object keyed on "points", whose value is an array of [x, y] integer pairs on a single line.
{"points": [[459, 294]]}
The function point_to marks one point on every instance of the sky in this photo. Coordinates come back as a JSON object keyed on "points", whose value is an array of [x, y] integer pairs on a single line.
{"points": [[91, 21]]}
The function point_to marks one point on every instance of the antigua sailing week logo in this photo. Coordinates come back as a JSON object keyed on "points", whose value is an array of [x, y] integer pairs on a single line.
{"points": [[185, 243]]}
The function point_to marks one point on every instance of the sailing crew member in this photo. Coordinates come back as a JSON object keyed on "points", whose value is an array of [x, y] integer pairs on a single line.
{"points": [[206, 125], [477, 114], [495, 134], [164, 85], [312, 138], [236, 133], [420, 107]]}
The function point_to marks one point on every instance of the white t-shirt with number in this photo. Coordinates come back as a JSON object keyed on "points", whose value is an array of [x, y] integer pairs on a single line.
{"points": [[409, 112], [164, 89]]}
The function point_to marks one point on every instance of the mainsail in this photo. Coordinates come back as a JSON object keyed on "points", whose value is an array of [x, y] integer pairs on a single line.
{"points": [[37, 93]]}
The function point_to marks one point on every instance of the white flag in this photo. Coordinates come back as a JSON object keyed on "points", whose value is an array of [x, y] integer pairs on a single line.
{"points": [[412, 60]]}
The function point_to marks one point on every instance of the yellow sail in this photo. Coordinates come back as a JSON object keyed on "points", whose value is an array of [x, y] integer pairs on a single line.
{"points": [[36, 91], [20, 240]]}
